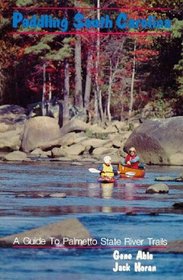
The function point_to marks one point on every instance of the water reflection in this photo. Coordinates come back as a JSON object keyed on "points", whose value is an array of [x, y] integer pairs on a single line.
{"points": [[107, 190], [93, 190], [129, 194], [129, 191]]}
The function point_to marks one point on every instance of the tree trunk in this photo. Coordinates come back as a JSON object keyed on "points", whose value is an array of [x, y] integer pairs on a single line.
{"points": [[44, 91], [98, 91], [132, 82], [122, 105], [78, 100], [64, 104], [100, 105], [109, 93], [88, 81], [50, 89], [66, 94], [96, 106]]}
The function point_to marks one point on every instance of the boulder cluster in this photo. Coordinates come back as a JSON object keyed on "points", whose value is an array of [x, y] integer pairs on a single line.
{"points": [[24, 139]]}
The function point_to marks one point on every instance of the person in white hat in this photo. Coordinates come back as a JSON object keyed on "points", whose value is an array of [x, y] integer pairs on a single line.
{"points": [[107, 170]]}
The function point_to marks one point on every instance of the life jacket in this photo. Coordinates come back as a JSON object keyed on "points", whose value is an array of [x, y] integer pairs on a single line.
{"points": [[133, 164], [107, 171]]}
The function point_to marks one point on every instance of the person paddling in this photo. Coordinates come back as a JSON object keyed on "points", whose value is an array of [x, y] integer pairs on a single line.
{"points": [[106, 169], [132, 159]]}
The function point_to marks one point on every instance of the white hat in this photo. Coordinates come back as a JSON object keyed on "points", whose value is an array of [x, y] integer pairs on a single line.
{"points": [[107, 159]]}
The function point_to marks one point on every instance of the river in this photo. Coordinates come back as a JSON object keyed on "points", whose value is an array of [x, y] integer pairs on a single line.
{"points": [[118, 211]]}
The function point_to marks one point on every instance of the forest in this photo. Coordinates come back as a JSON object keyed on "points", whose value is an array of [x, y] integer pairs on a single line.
{"points": [[107, 73]]}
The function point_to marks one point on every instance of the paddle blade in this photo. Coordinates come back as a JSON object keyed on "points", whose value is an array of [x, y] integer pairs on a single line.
{"points": [[93, 170], [130, 174]]}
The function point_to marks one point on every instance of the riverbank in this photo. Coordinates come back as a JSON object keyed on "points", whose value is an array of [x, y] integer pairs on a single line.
{"points": [[27, 138]]}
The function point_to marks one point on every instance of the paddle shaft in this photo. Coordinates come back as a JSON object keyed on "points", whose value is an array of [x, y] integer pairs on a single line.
{"points": [[94, 170]]}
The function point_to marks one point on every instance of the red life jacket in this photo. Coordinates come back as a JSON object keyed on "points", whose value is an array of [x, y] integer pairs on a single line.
{"points": [[133, 164]]}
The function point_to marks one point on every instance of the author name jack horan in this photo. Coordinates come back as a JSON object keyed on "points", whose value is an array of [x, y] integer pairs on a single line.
{"points": [[122, 22], [138, 265]]}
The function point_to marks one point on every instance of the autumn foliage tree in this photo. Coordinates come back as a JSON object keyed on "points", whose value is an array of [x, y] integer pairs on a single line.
{"points": [[103, 75]]}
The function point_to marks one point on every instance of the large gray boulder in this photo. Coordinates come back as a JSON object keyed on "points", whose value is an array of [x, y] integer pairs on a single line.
{"points": [[16, 156], [11, 139], [159, 141], [12, 119], [70, 228], [40, 132]]}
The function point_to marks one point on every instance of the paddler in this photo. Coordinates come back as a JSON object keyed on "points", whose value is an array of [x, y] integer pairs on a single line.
{"points": [[106, 169], [132, 159]]}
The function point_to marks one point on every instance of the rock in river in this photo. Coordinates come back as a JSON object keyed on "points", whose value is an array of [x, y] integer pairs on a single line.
{"points": [[158, 188], [70, 228], [178, 205], [40, 195], [172, 247], [165, 178]]}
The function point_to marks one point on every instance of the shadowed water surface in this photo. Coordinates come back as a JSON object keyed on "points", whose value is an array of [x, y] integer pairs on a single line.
{"points": [[112, 211]]}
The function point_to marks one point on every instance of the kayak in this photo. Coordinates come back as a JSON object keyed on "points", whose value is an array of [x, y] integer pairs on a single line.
{"points": [[126, 172], [106, 180]]}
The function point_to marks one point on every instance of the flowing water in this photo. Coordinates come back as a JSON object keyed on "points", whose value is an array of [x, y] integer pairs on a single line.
{"points": [[111, 211]]}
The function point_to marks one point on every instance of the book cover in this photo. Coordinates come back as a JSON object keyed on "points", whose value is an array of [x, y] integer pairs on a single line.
{"points": [[91, 128]]}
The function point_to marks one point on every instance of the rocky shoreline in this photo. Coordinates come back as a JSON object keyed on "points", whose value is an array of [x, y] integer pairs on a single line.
{"points": [[25, 138]]}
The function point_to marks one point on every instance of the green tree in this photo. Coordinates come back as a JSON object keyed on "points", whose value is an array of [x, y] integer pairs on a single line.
{"points": [[178, 33]]}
